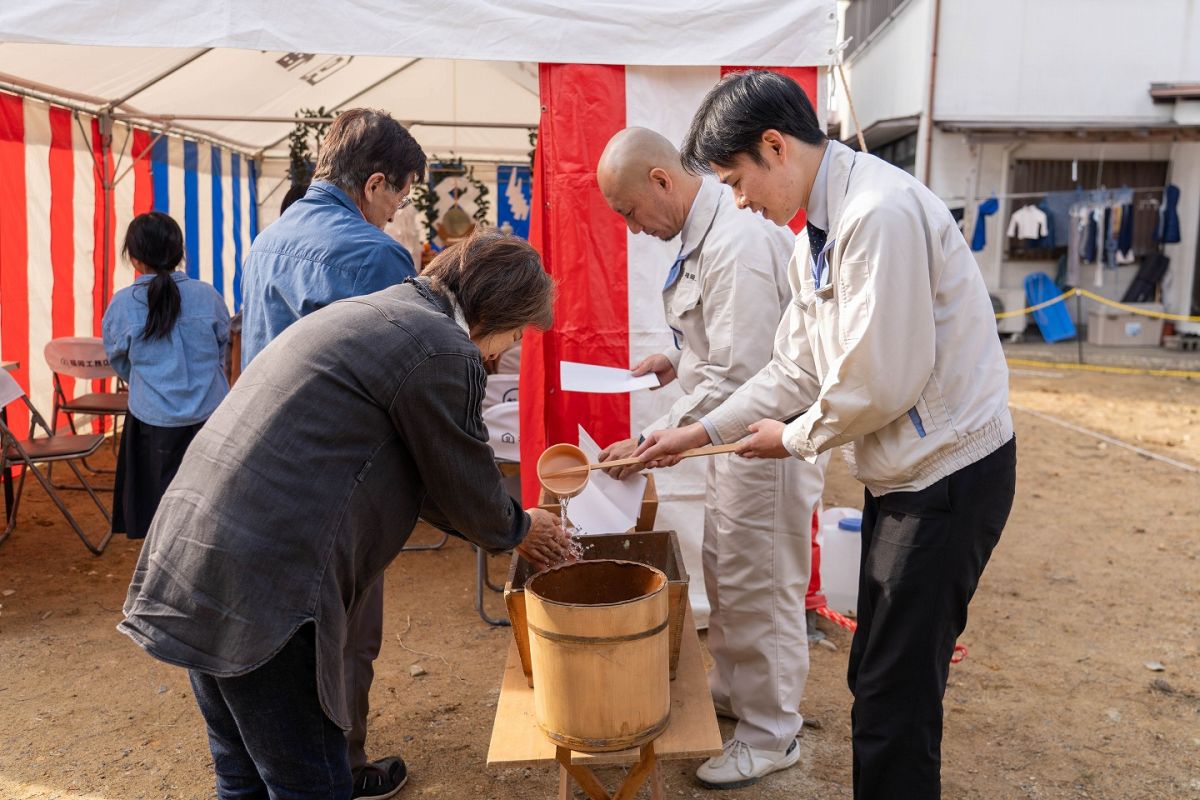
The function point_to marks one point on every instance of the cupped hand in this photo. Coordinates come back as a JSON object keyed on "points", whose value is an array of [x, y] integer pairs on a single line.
{"points": [[662, 448], [546, 543], [618, 450], [765, 441]]}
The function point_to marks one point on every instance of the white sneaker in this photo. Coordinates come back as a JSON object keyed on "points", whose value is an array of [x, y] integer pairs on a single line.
{"points": [[742, 765]]}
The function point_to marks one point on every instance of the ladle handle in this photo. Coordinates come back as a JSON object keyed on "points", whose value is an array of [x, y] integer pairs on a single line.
{"points": [[707, 450]]}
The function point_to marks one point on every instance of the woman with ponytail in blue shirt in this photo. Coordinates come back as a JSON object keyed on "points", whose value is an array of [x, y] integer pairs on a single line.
{"points": [[166, 336]]}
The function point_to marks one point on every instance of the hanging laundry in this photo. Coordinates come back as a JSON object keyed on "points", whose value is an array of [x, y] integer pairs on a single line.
{"points": [[1109, 238], [1076, 231], [1167, 231], [1057, 206], [1090, 237], [1049, 240], [1125, 235], [1028, 222], [985, 210]]}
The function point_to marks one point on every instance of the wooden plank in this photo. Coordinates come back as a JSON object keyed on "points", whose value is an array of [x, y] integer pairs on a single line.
{"points": [[692, 733]]}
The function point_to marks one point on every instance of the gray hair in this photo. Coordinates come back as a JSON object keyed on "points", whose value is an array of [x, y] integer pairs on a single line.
{"points": [[363, 141]]}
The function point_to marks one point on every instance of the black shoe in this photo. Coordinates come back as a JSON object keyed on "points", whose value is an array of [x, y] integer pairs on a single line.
{"points": [[380, 780]]}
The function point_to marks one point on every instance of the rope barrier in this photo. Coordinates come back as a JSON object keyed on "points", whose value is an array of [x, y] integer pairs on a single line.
{"points": [[1099, 299], [1134, 310], [1111, 370], [960, 651]]}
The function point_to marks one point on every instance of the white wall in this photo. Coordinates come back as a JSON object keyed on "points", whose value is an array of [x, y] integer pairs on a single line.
{"points": [[890, 77], [1062, 60]]}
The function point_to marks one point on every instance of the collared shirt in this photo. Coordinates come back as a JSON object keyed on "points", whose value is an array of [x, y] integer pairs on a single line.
{"points": [[817, 212], [817, 215], [320, 251], [179, 379]]}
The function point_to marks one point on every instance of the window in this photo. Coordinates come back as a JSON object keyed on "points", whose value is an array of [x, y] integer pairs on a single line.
{"points": [[865, 17], [901, 152]]}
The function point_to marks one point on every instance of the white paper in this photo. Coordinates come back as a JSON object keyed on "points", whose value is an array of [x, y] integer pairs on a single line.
{"points": [[576, 377], [606, 505]]}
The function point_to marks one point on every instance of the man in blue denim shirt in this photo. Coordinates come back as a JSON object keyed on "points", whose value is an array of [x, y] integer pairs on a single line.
{"points": [[329, 246]]}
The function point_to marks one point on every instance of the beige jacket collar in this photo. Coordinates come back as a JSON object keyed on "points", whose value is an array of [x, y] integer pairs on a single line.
{"points": [[700, 217], [840, 163]]}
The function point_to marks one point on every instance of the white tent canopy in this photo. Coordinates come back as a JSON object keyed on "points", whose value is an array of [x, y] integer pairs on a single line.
{"points": [[246, 98], [461, 73], [627, 32]]}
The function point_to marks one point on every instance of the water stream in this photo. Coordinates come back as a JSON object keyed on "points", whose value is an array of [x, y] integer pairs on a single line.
{"points": [[576, 546]]}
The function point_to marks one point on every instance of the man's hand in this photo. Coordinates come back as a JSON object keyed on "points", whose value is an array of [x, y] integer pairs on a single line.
{"points": [[619, 450], [765, 441], [662, 448], [546, 543], [660, 366]]}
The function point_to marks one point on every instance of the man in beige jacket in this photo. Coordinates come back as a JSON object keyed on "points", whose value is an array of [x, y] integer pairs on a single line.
{"points": [[890, 346], [723, 299]]}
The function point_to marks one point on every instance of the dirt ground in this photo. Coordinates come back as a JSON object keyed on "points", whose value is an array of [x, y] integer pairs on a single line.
{"points": [[1097, 574]]}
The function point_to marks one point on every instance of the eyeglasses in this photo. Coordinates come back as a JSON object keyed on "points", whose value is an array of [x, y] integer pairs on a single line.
{"points": [[405, 202]]}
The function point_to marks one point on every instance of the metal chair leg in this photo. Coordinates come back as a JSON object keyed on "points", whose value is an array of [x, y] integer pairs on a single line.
{"points": [[94, 549], [93, 470], [481, 581], [417, 548], [11, 522]]}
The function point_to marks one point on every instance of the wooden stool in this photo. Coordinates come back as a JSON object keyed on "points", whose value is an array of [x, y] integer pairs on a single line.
{"points": [[646, 767]]}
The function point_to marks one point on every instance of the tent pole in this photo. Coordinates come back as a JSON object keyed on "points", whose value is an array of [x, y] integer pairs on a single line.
{"points": [[430, 123], [120, 101], [145, 153], [49, 94], [105, 156], [350, 99]]}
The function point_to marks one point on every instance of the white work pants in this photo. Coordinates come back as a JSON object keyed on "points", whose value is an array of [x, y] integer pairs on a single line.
{"points": [[757, 555]]}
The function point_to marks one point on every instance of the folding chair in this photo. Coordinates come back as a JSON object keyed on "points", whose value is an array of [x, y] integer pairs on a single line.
{"points": [[83, 358], [28, 453]]}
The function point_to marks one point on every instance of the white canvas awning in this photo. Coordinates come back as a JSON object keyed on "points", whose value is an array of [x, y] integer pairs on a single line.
{"points": [[247, 98], [630, 32], [461, 73]]}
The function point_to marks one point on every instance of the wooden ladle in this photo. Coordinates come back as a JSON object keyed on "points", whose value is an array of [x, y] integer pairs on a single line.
{"points": [[707, 450]]}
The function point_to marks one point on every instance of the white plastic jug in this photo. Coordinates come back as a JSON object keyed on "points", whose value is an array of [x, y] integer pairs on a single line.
{"points": [[841, 549]]}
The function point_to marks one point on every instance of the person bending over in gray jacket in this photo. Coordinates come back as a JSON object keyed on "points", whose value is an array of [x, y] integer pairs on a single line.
{"points": [[305, 483]]}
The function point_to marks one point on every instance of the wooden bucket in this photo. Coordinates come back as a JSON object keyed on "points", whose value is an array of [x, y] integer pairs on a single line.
{"points": [[598, 642]]}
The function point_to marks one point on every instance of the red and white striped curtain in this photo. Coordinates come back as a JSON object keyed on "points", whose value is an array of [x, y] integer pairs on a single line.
{"points": [[56, 277]]}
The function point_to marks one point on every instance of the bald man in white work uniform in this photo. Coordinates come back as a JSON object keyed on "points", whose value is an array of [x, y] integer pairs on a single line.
{"points": [[723, 298]]}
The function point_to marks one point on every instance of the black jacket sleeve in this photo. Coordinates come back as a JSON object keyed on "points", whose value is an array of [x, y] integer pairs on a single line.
{"points": [[438, 412]]}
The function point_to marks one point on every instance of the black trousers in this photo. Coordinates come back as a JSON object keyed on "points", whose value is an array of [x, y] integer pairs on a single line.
{"points": [[146, 464], [922, 555]]}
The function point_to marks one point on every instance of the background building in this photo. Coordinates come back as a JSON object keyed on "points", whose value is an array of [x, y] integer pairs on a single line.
{"points": [[1016, 99]]}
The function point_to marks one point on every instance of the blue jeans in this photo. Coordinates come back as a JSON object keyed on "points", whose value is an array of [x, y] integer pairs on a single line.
{"points": [[268, 734]]}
